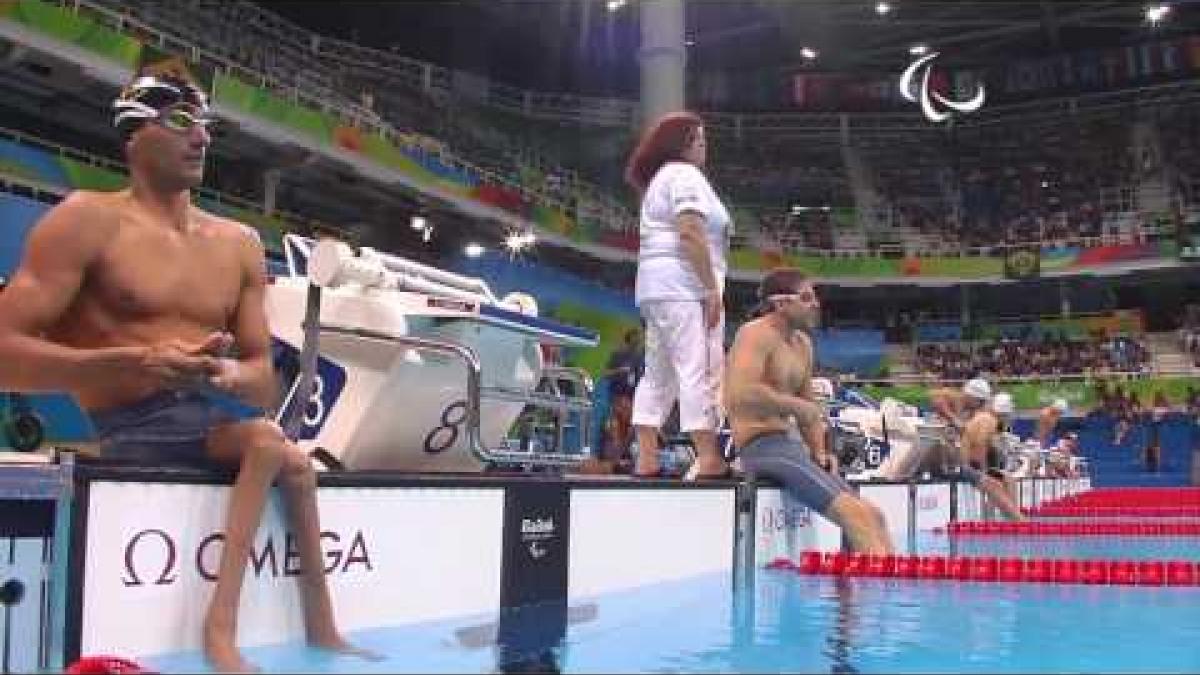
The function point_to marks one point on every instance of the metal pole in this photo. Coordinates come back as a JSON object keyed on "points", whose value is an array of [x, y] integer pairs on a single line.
{"points": [[954, 514], [745, 535], [55, 636], [912, 518], [954, 501]]}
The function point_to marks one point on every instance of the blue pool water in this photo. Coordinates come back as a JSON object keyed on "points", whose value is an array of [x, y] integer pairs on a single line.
{"points": [[1113, 547], [795, 623]]}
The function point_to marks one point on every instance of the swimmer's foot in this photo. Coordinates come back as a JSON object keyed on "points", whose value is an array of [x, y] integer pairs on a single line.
{"points": [[649, 469], [704, 469], [339, 645], [222, 655]]}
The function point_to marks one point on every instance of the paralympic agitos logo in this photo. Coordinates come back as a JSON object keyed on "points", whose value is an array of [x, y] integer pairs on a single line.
{"points": [[153, 557], [930, 99]]}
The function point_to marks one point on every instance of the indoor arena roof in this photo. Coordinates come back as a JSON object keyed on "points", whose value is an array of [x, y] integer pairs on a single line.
{"points": [[590, 46]]}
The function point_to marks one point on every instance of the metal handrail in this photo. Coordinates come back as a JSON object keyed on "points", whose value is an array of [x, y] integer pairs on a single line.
{"points": [[584, 380], [474, 388], [575, 374]]}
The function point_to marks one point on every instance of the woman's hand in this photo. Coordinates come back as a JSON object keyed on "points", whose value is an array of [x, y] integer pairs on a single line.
{"points": [[714, 306]]}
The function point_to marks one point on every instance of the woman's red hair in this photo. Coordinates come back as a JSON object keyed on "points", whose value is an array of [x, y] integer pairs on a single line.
{"points": [[662, 142]]}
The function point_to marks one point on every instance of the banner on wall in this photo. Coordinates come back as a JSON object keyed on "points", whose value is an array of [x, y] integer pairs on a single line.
{"points": [[1088, 70], [1022, 262], [152, 551]]}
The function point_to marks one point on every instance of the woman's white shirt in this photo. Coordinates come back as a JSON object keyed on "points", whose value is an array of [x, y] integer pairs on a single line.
{"points": [[664, 271]]}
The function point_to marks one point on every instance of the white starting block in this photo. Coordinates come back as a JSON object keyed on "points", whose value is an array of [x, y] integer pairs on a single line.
{"points": [[419, 369], [1029, 460], [895, 438]]}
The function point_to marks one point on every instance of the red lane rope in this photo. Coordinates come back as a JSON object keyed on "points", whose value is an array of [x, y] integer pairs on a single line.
{"points": [[105, 665], [1055, 510], [1154, 528], [1013, 570], [1139, 497]]}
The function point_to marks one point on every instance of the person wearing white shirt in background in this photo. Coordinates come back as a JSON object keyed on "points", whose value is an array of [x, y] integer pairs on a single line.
{"points": [[679, 290]]}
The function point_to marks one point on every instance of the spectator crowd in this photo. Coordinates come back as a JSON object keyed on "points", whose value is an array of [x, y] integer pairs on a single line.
{"points": [[1022, 358]]}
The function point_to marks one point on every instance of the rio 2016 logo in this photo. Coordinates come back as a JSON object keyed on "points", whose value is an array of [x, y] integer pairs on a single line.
{"points": [[929, 99]]}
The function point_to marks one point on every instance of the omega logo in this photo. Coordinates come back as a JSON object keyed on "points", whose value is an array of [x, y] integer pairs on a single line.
{"points": [[152, 557]]}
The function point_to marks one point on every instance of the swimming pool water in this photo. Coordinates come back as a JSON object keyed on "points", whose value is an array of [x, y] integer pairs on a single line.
{"points": [[795, 623], [1114, 547], [787, 622]]}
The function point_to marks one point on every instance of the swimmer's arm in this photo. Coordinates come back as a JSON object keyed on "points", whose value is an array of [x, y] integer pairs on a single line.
{"points": [[809, 414], [1042, 433], [976, 437], [254, 378], [58, 251], [942, 402], [811, 421], [1045, 427]]}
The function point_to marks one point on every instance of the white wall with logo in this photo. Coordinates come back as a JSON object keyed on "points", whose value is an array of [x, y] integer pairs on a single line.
{"points": [[933, 506], [395, 556], [783, 528], [400, 555], [893, 501]]}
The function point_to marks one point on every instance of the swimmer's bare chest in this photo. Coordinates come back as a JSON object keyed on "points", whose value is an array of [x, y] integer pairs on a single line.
{"points": [[152, 284], [791, 366], [788, 370]]}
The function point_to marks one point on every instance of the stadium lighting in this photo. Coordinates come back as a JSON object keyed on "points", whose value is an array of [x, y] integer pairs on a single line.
{"points": [[516, 242], [473, 250], [808, 53], [614, 5], [882, 8], [1155, 14], [918, 49]]}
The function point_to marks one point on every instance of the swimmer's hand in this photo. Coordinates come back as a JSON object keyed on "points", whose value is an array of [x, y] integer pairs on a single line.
{"points": [[828, 462], [226, 376], [180, 364]]}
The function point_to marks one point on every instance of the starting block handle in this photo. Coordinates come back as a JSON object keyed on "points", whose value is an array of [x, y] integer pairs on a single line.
{"points": [[474, 379]]}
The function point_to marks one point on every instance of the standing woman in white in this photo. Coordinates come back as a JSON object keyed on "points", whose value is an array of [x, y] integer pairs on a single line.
{"points": [[680, 285]]}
